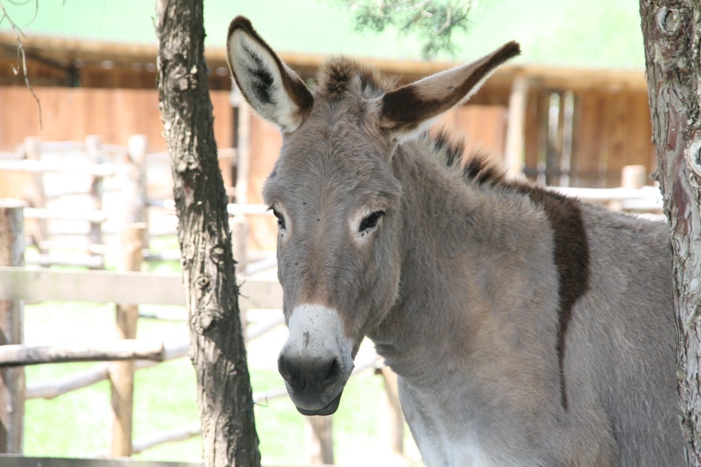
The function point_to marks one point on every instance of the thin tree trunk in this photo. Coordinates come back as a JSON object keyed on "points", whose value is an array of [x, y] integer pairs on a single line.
{"points": [[217, 347], [672, 39]]}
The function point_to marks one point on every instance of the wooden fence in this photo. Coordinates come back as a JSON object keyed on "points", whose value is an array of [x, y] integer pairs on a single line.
{"points": [[70, 185], [7, 460], [572, 131], [68, 114], [19, 285]]}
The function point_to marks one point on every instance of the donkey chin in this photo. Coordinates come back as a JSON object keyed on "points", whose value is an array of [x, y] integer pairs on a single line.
{"points": [[317, 359]]}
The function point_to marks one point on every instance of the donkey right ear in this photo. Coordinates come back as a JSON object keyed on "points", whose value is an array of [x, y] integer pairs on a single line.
{"points": [[270, 86], [409, 110]]}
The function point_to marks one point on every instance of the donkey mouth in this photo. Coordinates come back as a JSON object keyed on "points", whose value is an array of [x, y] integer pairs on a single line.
{"points": [[328, 410]]}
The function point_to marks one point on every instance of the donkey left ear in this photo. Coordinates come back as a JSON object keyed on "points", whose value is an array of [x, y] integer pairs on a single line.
{"points": [[410, 109], [270, 86]]}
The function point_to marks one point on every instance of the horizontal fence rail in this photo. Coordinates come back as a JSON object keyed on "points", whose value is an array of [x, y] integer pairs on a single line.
{"points": [[33, 166], [100, 372], [126, 349], [648, 193], [21, 461], [35, 285]]}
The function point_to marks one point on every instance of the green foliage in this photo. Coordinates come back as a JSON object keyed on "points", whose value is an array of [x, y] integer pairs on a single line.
{"points": [[433, 21]]}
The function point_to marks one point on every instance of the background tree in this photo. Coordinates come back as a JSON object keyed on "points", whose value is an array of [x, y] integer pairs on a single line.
{"points": [[672, 46], [433, 21], [216, 341]]}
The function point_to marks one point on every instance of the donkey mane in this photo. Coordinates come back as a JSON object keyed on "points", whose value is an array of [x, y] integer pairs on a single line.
{"points": [[564, 214], [477, 167], [339, 76]]}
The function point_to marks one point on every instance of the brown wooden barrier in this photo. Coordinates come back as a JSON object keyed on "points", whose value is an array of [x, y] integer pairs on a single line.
{"points": [[68, 114], [21, 461]]}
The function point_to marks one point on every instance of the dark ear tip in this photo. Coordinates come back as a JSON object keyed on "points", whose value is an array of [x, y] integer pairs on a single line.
{"points": [[512, 49], [240, 22]]}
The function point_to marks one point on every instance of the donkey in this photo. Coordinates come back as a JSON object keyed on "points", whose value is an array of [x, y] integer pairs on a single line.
{"points": [[526, 328]]}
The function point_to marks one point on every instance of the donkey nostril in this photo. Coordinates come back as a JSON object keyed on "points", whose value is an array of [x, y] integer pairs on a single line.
{"points": [[334, 371], [282, 368]]}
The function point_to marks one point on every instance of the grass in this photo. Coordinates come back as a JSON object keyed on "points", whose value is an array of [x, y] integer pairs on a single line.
{"points": [[77, 424]]}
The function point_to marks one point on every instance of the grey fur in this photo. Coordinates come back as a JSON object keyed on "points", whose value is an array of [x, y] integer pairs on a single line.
{"points": [[458, 288]]}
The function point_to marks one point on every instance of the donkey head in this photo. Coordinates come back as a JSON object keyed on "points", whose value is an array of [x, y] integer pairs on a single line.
{"points": [[336, 198]]}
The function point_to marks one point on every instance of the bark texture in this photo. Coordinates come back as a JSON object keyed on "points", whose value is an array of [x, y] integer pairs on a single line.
{"points": [[217, 346], [672, 33]]}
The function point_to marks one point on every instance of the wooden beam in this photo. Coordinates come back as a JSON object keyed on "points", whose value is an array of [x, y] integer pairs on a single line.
{"points": [[36, 285], [93, 53], [392, 420], [318, 440], [73, 382], [21, 461], [515, 151], [122, 373], [65, 259], [96, 217], [32, 166], [11, 333], [162, 437], [93, 286], [95, 374], [128, 349], [100, 372], [39, 232]]}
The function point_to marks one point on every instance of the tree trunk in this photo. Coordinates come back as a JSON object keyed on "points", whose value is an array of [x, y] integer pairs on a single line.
{"points": [[672, 39], [217, 347]]}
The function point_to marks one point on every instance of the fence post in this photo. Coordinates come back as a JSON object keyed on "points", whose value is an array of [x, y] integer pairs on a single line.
{"points": [[392, 418], [12, 385], [92, 147], [122, 373], [239, 241], [516, 127], [241, 226], [136, 185], [37, 197], [318, 440], [633, 176]]}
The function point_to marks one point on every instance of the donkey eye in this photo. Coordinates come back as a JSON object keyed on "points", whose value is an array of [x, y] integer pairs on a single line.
{"points": [[280, 218], [370, 221]]}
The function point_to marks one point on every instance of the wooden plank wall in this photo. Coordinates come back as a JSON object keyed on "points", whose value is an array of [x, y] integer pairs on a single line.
{"points": [[611, 129], [136, 76], [483, 128], [69, 114]]}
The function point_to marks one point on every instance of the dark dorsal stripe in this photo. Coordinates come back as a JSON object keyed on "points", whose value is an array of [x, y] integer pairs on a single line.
{"points": [[571, 259], [571, 255]]}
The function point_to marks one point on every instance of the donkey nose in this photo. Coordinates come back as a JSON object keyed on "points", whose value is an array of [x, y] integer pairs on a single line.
{"points": [[316, 373]]}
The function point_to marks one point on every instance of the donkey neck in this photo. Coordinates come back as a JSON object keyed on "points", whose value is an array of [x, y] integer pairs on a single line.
{"points": [[464, 248]]}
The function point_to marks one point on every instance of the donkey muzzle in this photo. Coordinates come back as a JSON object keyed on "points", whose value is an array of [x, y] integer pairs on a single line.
{"points": [[316, 360]]}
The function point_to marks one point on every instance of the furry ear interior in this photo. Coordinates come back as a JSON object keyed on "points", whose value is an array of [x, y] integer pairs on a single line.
{"points": [[270, 86], [410, 109]]}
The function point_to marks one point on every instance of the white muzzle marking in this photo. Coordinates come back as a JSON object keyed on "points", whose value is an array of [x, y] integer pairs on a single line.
{"points": [[317, 331]]}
